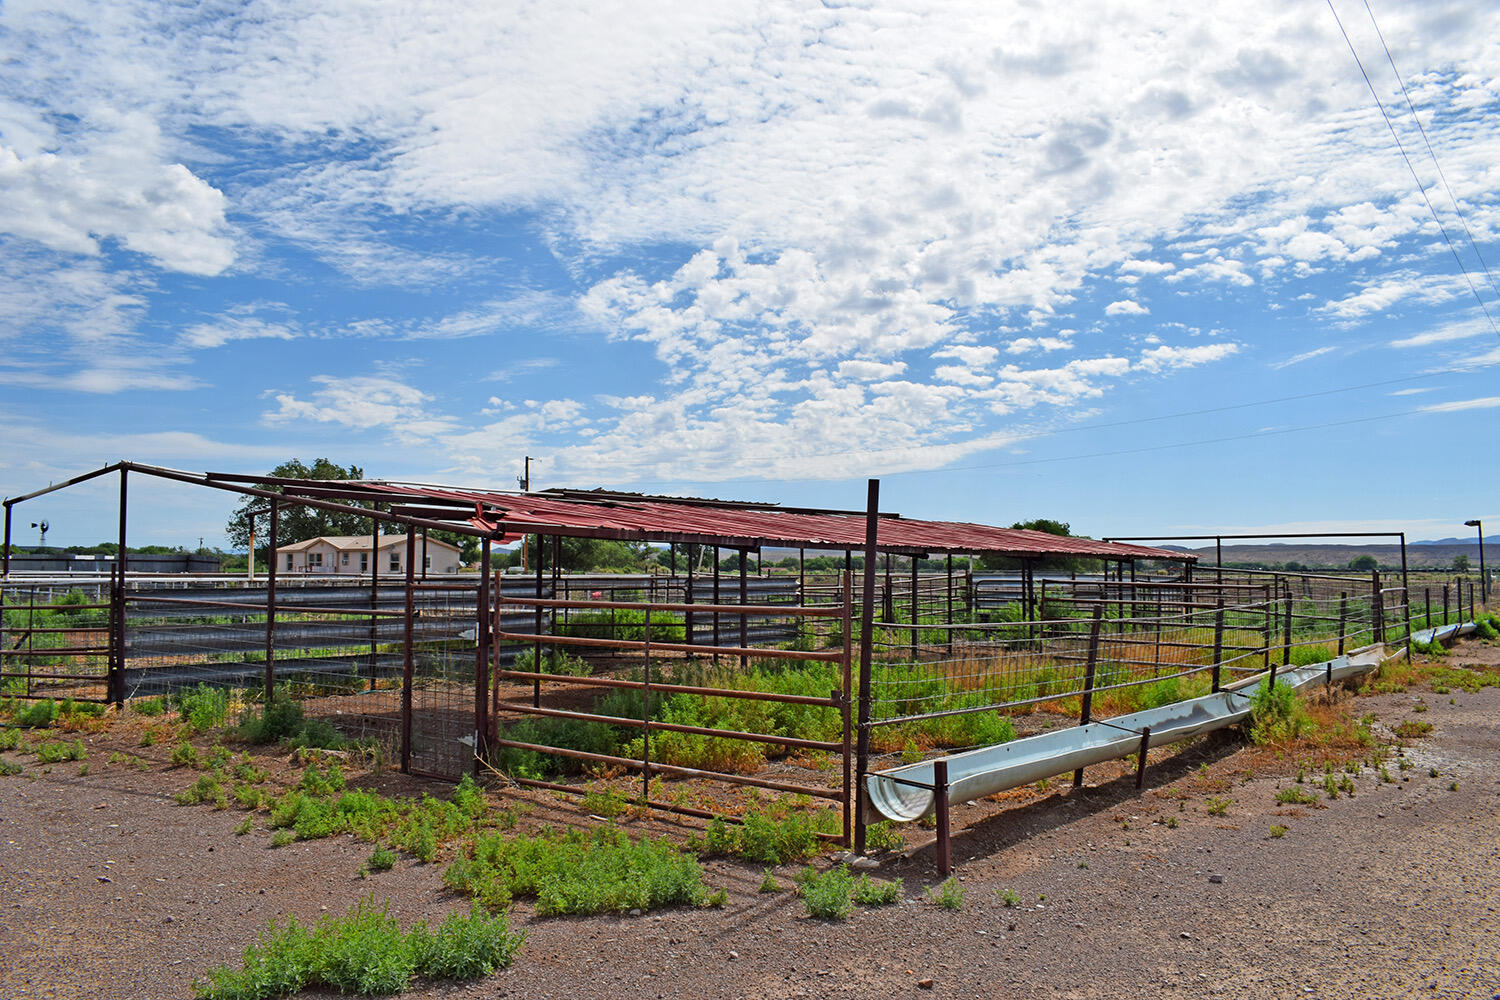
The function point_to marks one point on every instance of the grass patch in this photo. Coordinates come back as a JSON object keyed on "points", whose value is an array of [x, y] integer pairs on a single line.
{"points": [[203, 707], [829, 896], [1411, 729], [578, 872], [766, 838], [1277, 715], [57, 751], [949, 895], [875, 892], [1296, 797], [364, 952], [1278, 831]]}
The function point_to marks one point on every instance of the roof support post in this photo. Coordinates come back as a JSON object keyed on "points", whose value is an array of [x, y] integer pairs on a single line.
{"points": [[271, 569], [866, 653]]}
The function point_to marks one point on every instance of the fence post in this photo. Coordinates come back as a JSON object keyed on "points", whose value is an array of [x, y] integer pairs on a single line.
{"points": [[1343, 618], [406, 652], [940, 807], [1427, 600], [1445, 602], [1218, 642], [1088, 680], [1265, 632], [1140, 767], [847, 627], [271, 600], [482, 658], [1377, 606], [916, 606], [866, 652], [646, 713], [1286, 641]]}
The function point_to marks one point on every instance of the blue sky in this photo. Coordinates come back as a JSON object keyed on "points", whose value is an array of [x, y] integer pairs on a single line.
{"points": [[1147, 268]]}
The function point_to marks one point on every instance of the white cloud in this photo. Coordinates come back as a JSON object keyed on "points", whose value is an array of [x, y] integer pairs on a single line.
{"points": [[364, 403], [1166, 358], [1483, 403], [225, 329], [1297, 359], [1126, 307], [1460, 330]]}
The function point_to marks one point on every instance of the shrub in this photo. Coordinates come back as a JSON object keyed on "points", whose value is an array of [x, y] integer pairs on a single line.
{"points": [[279, 720], [465, 946], [765, 839], [381, 860], [871, 892], [56, 751], [1276, 714], [203, 707], [37, 715], [829, 896], [949, 895], [205, 789]]}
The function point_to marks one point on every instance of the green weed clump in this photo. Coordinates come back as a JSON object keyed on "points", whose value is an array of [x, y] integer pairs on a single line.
{"points": [[1277, 715], [364, 952], [37, 715], [875, 892], [206, 789], [203, 707], [829, 896], [321, 807], [578, 872], [1296, 796], [769, 839], [57, 751], [949, 895], [884, 836], [279, 720], [1303, 656]]}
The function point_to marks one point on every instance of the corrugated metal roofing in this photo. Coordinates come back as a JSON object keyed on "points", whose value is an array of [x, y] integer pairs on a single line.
{"points": [[737, 525]]}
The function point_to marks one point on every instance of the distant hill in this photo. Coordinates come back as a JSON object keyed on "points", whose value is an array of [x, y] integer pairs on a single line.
{"points": [[1434, 555]]}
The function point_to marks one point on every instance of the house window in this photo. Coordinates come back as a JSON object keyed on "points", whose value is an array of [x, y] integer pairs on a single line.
{"points": [[364, 561], [395, 561], [314, 559], [427, 562], [288, 560], [345, 561]]}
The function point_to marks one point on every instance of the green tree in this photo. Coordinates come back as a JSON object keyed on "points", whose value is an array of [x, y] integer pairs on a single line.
{"points": [[993, 562], [1460, 563], [295, 521], [1364, 563]]}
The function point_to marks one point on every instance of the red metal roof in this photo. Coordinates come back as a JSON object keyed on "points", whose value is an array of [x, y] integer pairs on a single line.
{"points": [[709, 522]]}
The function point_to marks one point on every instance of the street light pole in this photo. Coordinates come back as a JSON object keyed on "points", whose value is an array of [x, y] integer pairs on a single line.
{"points": [[1484, 580]]}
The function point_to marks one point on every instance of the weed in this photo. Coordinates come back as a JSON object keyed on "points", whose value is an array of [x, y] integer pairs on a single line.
{"points": [[56, 751], [1452, 786], [1419, 707], [1296, 797], [764, 838], [577, 872], [949, 895], [248, 796], [1385, 775], [829, 896], [1277, 715], [718, 898], [1172, 822], [884, 836], [873, 892], [1278, 831], [203, 707], [272, 722], [149, 706], [1411, 729], [768, 883], [37, 715], [608, 803], [1346, 785], [8, 768], [282, 837], [1217, 806], [1331, 786], [465, 946], [1008, 897], [1301, 773], [1432, 772], [83, 770], [205, 789], [184, 755], [246, 825]]}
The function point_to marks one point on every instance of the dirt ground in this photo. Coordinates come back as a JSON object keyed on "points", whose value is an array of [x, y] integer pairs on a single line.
{"points": [[109, 889]]}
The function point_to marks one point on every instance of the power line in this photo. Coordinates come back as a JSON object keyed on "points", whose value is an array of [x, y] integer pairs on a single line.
{"points": [[1430, 151], [1417, 180]]}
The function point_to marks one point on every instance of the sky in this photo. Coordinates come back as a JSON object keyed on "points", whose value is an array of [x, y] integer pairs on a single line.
{"points": [[1148, 268]]}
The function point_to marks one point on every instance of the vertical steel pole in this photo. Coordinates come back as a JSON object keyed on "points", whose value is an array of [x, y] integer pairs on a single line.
{"points": [[1087, 708], [687, 598], [646, 714], [117, 682], [1343, 618], [536, 645], [846, 622], [407, 664], [1405, 597], [1286, 644], [5, 572], [866, 655], [1427, 603], [940, 807], [1140, 768], [716, 601], [916, 606], [482, 658], [374, 598], [1218, 643], [744, 600], [272, 568], [1377, 606], [1445, 602]]}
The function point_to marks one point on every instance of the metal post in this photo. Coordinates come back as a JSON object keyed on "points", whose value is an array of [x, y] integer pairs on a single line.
{"points": [[1265, 652], [1218, 642], [5, 572], [687, 624], [1427, 603], [374, 598], [406, 652], [536, 646], [424, 553], [1140, 764], [646, 714], [271, 569], [1343, 618], [948, 587], [846, 623], [866, 654], [482, 658], [1286, 643], [916, 606], [716, 601], [1087, 709], [744, 600], [1445, 602], [117, 681], [940, 807], [1377, 605]]}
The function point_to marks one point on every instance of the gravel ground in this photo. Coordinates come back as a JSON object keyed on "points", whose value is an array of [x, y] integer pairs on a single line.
{"points": [[108, 889]]}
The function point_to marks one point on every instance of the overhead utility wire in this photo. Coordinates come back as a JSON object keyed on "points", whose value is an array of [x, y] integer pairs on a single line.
{"points": [[1431, 152], [1420, 189]]}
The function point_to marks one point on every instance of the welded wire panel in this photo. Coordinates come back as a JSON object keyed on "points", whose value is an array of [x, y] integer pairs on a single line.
{"points": [[54, 642]]}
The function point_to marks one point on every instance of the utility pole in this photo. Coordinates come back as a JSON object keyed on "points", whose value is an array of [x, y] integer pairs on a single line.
{"points": [[525, 480]]}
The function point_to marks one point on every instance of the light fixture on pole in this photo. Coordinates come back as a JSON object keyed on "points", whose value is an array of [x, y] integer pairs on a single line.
{"points": [[1484, 579]]}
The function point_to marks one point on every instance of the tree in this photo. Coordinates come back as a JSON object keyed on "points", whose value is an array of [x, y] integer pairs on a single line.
{"points": [[1364, 563], [1460, 563], [295, 522], [992, 562]]}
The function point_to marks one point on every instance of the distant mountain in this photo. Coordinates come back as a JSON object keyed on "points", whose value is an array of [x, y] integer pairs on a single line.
{"points": [[1444, 541]]}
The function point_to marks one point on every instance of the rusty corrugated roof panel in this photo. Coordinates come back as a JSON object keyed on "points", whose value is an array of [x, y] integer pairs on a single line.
{"points": [[735, 525]]}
